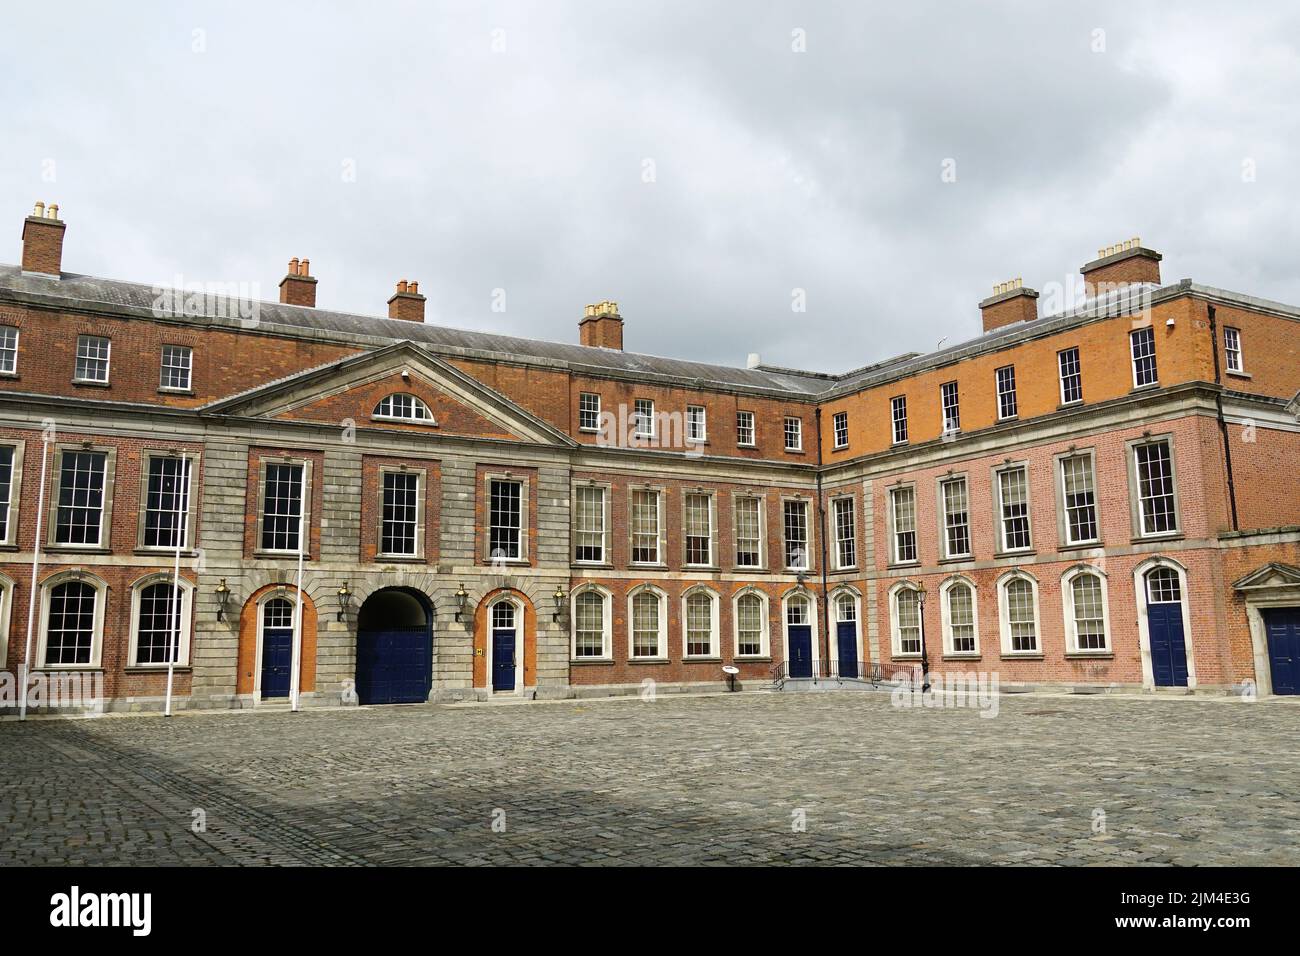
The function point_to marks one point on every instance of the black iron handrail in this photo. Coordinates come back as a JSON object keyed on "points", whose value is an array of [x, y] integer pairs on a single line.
{"points": [[832, 670]]}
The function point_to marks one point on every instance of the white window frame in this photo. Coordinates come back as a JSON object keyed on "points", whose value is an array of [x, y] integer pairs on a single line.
{"points": [[1077, 374], [895, 556], [10, 538], [420, 495], [187, 604], [895, 632], [1135, 487], [810, 543], [697, 424], [163, 368], [97, 635], [945, 614], [606, 605], [1062, 512], [190, 464], [643, 423], [525, 503], [1067, 605], [1000, 516], [795, 432], [662, 637], [713, 529], [946, 422], [661, 537], [1004, 392], [760, 545], [104, 541], [942, 500], [898, 419], [740, 430], [4, 351], [1004, 613], [304, 510], [836, 502], [107, 359], [416, 417], [1134, 358], [1231, 348], [715, 650], [605, 490], [840, 427], [582, 397], [765, 624], [837, 597]]}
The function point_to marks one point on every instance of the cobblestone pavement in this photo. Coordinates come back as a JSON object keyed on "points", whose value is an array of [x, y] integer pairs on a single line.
{"points": [[695, 780]]}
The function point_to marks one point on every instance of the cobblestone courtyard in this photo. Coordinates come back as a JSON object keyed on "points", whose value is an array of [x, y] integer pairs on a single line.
{"points": [[680, 780]]}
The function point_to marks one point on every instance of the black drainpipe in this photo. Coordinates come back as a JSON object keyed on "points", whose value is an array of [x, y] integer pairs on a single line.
{"points": [[821, 524], [1223, 422]]}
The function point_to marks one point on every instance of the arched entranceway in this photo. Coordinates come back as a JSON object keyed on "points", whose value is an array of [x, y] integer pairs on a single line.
{"points": [[394, 648]]}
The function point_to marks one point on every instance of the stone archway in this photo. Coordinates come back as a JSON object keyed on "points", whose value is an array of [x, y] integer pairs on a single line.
{"points": [[394, 659]]}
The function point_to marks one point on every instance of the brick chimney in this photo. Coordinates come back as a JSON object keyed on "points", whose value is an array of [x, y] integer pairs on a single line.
{"points": [[1010, 302], [1120, 265], [407, 303], [602, 326], [43, 241], [298, 287]]}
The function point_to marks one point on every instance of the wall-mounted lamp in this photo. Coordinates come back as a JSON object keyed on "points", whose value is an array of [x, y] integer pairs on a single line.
{"points": [[223, 595], [344, 595], [559, 602], [461, 596]]}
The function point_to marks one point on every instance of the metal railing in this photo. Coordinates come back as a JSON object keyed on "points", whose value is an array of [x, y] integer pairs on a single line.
{"points": [[834, 670]]}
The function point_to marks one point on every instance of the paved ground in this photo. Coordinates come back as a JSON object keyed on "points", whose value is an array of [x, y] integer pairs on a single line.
{"points": [[689, 780]]}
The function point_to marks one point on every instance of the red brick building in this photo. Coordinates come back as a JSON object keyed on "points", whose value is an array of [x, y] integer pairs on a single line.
{"points": [[1105, 496]]}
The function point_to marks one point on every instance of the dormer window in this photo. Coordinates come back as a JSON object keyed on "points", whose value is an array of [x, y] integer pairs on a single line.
{"points": [[403, 407]]}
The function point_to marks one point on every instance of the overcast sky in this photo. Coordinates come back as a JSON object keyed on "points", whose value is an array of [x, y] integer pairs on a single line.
{"points": [[684, 159]]}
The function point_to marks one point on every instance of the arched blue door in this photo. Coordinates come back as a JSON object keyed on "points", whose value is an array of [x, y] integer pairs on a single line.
{"points": [[799, 628], [846, 635], [1282, 628], [394, 648], [277, 647], [504, 627], [1165, 626]]}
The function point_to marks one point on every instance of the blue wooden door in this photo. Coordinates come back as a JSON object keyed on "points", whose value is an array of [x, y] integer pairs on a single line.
{"points": [[503, 659], [1165, 627], [277, 661], [1168, 646], [394, 665], [800, 650], [1282, 628], [847, 634]]}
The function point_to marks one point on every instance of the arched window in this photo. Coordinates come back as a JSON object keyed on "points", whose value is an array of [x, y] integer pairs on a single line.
{"points": [[1163, 586], [907, 620], [1018, 602], [590, 624], [72, 622], [701, 616], [751, 625], [160, 614], [277, 613], [649, 622], [404, 407], [1086, 614], [503, 616], [846, 608], [796, 611], [960, 634]]}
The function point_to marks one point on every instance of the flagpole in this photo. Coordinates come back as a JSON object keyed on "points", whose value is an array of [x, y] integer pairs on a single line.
{"points": [[182, 512], [31, 596], [296, 657]]}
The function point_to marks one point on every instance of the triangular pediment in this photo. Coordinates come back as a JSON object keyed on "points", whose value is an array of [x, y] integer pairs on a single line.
{"points": [[1271, 575], [350, 390]]}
